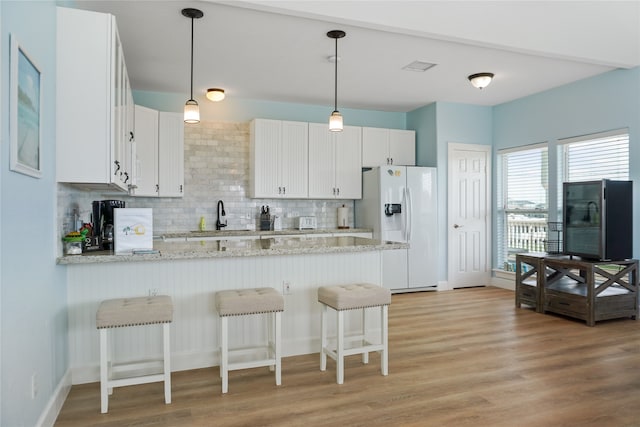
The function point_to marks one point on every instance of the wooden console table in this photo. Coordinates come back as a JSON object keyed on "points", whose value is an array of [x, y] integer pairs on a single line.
{"points": [[587, 290]]}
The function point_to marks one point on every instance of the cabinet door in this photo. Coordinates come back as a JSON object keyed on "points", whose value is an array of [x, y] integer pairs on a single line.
{"points": [[170, 154], [84, 79], [146, 133], [321, 161], [264, 158], [402, 147], [375, 147], [294, 160], [119, 114], [348, 163]]}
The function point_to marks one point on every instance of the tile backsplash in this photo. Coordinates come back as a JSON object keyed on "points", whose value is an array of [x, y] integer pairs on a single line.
{"points": [[216, 167]]}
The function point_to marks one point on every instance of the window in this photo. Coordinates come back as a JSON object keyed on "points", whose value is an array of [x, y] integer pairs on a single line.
{"points": [[523, 188], [522, 202], [592, 157]]}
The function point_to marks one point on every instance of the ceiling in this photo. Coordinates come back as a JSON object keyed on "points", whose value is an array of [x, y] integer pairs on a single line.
{"points": [[278, 50]]}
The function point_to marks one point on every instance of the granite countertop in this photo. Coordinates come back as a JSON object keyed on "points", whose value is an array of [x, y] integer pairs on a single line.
{"points": [[268, 246]]}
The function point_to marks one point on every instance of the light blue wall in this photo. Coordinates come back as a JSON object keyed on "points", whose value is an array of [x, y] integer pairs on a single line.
{"points": [[437, 125], [423, 121], [33, 308], [601, 103], [243, 110]]}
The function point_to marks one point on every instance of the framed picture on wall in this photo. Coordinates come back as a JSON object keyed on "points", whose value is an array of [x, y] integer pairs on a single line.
{"points": [[25, 115]]}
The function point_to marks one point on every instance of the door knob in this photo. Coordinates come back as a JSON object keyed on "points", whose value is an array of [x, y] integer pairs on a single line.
{"points": [[456, 226]]}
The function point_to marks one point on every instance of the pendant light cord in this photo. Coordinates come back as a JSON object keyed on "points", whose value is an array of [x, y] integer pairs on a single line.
{"points": [[191, 58], [335, 95]]}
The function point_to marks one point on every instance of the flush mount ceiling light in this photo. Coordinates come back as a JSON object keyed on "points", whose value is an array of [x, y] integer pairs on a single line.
{"points": [[191, 109], [335, 120], [481, 80], [215, 94]]}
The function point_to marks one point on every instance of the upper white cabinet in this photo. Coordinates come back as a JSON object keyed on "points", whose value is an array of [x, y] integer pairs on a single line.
{"points": [[146, 131], [94, 107], [171, 154], [388, 147], [279, 159], [335, 162], [160, 153]]}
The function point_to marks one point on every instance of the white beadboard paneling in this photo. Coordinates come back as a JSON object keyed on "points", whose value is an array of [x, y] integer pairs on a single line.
{"points": [[192, 285]]}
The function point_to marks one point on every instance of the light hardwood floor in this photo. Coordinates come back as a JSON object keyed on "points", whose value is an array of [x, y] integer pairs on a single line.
{"points": [[458, 358]]}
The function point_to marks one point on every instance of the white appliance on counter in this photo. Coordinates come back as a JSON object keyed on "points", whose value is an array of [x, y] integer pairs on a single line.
{"points": [[400, 204]]}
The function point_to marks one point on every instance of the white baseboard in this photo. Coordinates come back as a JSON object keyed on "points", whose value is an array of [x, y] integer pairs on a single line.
{"points": [[51, 411], [443, 286], [504, 279]]}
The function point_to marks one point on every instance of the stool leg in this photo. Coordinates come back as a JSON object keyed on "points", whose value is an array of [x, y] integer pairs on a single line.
{"points": [[278, 345], [224, 352], [323, 337], [104, 393], [271, 337], [167, 362], [365, 355], [340, 350], [384, 356]]}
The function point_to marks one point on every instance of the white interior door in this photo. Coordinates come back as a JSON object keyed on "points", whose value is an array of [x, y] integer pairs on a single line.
{"points": [[469, 215]]}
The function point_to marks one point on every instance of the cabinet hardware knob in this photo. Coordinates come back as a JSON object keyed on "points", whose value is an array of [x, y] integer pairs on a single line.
{"points": [[117, 163], [126, 177], [131, 136], [181, 188], [157, 188]]}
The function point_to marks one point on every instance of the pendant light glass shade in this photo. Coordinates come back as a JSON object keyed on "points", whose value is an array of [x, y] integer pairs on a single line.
{"points": [[335, 120], [191, 112], [191, 108]]}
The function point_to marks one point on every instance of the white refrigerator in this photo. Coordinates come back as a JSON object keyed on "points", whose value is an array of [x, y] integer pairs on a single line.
{"points": [[399, 204]]}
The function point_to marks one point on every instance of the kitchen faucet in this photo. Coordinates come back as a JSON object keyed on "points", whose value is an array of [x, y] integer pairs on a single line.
{"points": [[221, 212]]}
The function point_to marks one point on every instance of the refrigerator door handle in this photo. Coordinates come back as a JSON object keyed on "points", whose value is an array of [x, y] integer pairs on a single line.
{"points": [[409, 214]]}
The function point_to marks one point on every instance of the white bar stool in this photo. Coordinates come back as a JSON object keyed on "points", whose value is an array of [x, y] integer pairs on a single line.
{"points": [[125, 312], [242, 302], [352, 297]]}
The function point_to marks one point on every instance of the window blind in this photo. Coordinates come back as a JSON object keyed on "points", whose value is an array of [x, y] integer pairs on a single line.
{"points": [[596, 157]]}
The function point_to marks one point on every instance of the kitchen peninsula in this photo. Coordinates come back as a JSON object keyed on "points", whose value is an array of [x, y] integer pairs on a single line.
{"points": [[192, 269]]}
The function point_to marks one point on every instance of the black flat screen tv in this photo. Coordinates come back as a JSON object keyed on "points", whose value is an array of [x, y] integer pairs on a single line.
{"points": [[598, 219]]}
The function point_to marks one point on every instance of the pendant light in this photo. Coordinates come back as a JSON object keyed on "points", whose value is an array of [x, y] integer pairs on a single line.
{"points": [[335, 120], [191, 108]]}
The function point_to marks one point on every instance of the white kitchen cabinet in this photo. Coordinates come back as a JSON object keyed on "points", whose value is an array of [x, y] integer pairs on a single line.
{"points": [[279, 159], [146, 133], [335, 162], [388, 147], [92, 92], [160, 153], [170, 154]]}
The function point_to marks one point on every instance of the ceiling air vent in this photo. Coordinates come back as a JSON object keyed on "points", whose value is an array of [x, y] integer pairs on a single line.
{"points": [[418, 66]]}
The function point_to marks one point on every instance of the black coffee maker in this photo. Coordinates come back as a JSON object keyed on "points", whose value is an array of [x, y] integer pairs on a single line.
{"points": [[103, 221]]}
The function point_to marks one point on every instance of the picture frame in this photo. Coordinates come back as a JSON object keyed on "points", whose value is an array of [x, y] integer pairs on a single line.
{"points": [[25, 117]]}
